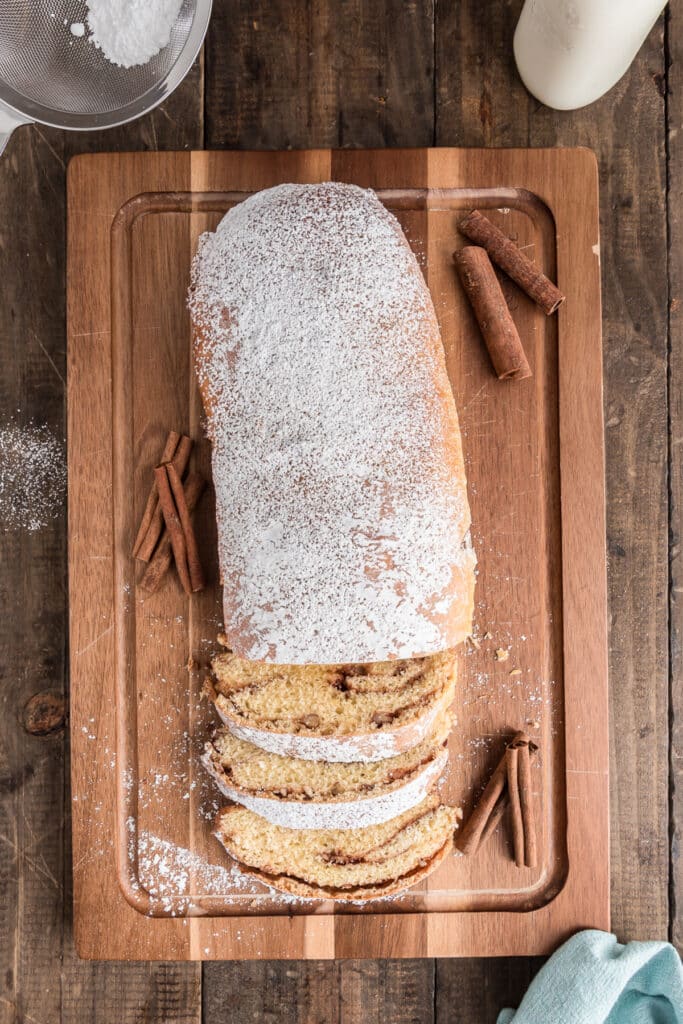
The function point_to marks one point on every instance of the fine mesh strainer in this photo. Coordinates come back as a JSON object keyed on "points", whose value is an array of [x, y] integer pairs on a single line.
{"points": [[49, 75]]}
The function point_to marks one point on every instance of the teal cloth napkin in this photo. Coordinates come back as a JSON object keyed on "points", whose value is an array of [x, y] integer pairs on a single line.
{"points": [[593, 979]]}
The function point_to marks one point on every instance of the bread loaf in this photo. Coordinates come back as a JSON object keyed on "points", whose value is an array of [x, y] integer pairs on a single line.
{"points": [[360, 864], [343, 521]]}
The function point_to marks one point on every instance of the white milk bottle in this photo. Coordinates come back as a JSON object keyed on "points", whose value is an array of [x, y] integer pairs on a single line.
{"points": [[570, 52]]}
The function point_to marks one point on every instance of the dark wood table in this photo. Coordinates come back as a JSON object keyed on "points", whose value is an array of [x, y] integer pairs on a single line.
{"points": [[278, 74]]}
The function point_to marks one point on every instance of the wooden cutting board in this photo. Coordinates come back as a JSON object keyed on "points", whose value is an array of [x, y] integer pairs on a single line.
{"points": [[150, 881]]}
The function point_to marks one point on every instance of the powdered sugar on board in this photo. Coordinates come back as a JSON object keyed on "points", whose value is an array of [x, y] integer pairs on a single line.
{"points": [[343, 528], [32, 477], [175, 877]]}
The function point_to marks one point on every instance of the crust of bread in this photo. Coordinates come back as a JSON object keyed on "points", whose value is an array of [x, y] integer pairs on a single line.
{"points": [[297, 887], [375, 746], [330, 814]]}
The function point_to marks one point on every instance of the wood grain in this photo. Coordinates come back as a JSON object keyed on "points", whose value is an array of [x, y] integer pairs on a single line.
{"points": [[481, 101], [674, 32], [162, 993], [376, 991], [265, 991], [319, 992], [32, 589], [476, 990], [319, 74], [150, 246]]}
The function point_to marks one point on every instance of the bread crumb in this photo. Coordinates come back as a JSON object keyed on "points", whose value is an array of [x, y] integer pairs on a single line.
{"points": [[501, 654]]}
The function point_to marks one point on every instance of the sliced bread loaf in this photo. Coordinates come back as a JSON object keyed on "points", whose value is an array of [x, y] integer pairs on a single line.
{"points": [[356, 864], [338, 713], [296, 793]]}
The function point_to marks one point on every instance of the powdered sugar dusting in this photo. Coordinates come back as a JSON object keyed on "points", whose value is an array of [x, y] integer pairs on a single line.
{"points": [[176, 878], [32, 477], [375, 746], [343, 530], [347, 814]]}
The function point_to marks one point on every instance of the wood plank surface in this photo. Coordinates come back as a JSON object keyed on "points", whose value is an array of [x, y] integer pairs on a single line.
{"points": [[283, 75], [320, 992], [33, 590], [674, 35], [480, 101], [476, 990]]}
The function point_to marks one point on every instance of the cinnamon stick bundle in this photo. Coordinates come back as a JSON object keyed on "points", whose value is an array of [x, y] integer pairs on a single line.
{"points": [[498, 329], [510, 258], [509, 786], [160, 563]]}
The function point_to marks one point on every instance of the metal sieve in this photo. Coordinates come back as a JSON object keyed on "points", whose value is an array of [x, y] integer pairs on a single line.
{"points": [[49, 75]]}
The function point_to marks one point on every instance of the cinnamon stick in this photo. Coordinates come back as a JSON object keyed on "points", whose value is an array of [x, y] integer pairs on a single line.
{"points": [[180, 459], [512, 759], [510, 258], [469, 839], [152, 499], [496, 817], [193, 562], [182, 455], [173, 525], [526, 805], [159, 565], [498, 329]]}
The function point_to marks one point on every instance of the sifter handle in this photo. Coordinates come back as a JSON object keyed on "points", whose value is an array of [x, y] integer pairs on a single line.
{"points": [[9, 120]]}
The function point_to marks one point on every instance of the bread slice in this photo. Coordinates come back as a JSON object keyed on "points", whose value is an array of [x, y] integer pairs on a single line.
{"points": [[357, 864], [338, 713], [308, 794]]}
